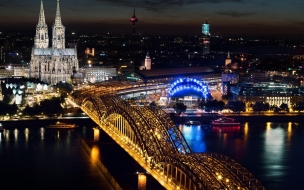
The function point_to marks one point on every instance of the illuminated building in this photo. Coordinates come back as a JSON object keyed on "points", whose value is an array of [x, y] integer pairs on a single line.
{"points": [[228, 60], [206, 74], [55, 64], [90, 52], [21, 71], [227, 79], [97, 74], [188, 90], [269, 92], [206, 28], [205, 37], [148, 62], [133, 19]]}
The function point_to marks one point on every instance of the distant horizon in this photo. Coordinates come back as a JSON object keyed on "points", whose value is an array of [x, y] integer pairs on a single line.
{"points": [[279, 19], [76, 31]]}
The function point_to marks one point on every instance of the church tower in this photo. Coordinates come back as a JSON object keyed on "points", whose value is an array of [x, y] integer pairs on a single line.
{"points": [[148, 62], [42, 37], [58, 31]]}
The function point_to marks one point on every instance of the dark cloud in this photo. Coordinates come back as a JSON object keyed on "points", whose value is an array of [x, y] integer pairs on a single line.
{"points": [[301, 23], [77, 10], [162, 5], [236, 13]]}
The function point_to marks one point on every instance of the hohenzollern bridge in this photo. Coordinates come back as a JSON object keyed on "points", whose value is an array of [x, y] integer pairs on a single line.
{"points": [[151, 138]]}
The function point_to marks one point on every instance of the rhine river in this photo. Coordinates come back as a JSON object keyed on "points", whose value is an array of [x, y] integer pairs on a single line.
{"points": [[273, 152]]}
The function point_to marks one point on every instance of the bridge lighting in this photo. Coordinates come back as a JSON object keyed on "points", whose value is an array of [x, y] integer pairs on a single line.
{"points": [[220, 177]]}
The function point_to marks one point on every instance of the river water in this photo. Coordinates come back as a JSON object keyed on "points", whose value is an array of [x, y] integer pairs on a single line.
{"points": [[273, 152]]}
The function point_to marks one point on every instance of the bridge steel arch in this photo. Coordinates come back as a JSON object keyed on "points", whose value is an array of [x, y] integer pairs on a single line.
{"points": [[145, 133]]}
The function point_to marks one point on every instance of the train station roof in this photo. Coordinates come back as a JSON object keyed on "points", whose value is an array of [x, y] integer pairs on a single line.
{"points": [[174, 72]]}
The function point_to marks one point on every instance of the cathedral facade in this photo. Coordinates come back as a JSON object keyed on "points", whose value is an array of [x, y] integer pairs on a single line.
{"points": [[56, 63]]}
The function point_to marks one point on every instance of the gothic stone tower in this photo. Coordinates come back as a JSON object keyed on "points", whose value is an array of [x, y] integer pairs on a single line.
{"points": [[42, 37], [55, 64], [58, 31]]}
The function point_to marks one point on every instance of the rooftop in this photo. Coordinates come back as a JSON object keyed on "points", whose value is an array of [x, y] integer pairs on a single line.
{"points": [[159, 73]]}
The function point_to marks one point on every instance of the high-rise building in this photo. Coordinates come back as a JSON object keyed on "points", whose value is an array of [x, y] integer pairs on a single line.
{"points": [[148, 62], [55, 64], [133, 19], [228, 59], [206, 28], [205, 37]]}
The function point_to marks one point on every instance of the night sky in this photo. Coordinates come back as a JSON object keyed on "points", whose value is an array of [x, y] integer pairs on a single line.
{"points": [[226, 17]]}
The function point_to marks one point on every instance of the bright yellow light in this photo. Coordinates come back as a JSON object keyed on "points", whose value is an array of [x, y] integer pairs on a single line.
{"points": [[220, 177], [95, 154], [246, 128], [142, 181], [289, 127], [268, 126], [96, 134]]}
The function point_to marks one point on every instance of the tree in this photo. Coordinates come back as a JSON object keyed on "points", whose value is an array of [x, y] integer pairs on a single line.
{"points": [[284, 107], [299, 106], [6, 108], [258, 106], [51, 106], [236, 106], [180, 107]]}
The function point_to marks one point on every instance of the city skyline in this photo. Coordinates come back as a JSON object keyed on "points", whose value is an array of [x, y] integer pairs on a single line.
{"points": [[226, 17]]}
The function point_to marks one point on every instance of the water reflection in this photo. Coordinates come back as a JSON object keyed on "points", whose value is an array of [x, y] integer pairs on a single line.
{"points": [[16, 135], [246, 130], [42, 133], [26, 131], [274, 149], [195, 137], [95, 153], [289, 132]]}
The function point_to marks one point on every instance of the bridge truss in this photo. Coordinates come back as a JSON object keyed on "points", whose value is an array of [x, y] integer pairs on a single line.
{"points": [[150, 136]]}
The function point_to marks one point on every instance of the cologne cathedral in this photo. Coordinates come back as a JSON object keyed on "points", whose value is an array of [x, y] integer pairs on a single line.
{"points": [[56, 63]]}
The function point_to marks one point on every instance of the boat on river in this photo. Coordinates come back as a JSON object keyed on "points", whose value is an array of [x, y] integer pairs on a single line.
{"points": [[189, 122], [61, 125], [225, 121]]}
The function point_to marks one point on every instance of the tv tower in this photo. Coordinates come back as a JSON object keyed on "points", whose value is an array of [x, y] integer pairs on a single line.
{"points": [[133, 19]]}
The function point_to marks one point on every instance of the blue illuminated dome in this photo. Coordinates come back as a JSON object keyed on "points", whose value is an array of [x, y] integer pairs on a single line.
{"points": [[192, 86]]}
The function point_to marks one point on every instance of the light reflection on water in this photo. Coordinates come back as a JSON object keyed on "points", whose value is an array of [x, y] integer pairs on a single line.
{"points": [[271, 151], [24, 135], [274, 149], [195, 137]]}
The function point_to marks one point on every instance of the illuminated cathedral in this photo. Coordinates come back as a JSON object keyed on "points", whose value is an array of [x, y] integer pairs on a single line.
{"points": [[56, 63]]}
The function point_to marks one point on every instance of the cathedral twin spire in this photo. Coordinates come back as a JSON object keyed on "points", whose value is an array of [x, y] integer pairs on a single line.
{"points": [[58, 17], [41, 38], [41, 21]]}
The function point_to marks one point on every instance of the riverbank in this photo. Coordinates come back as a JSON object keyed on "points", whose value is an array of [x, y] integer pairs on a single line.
{"points": [[205, 119], [45, 122], [242, 118]]}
